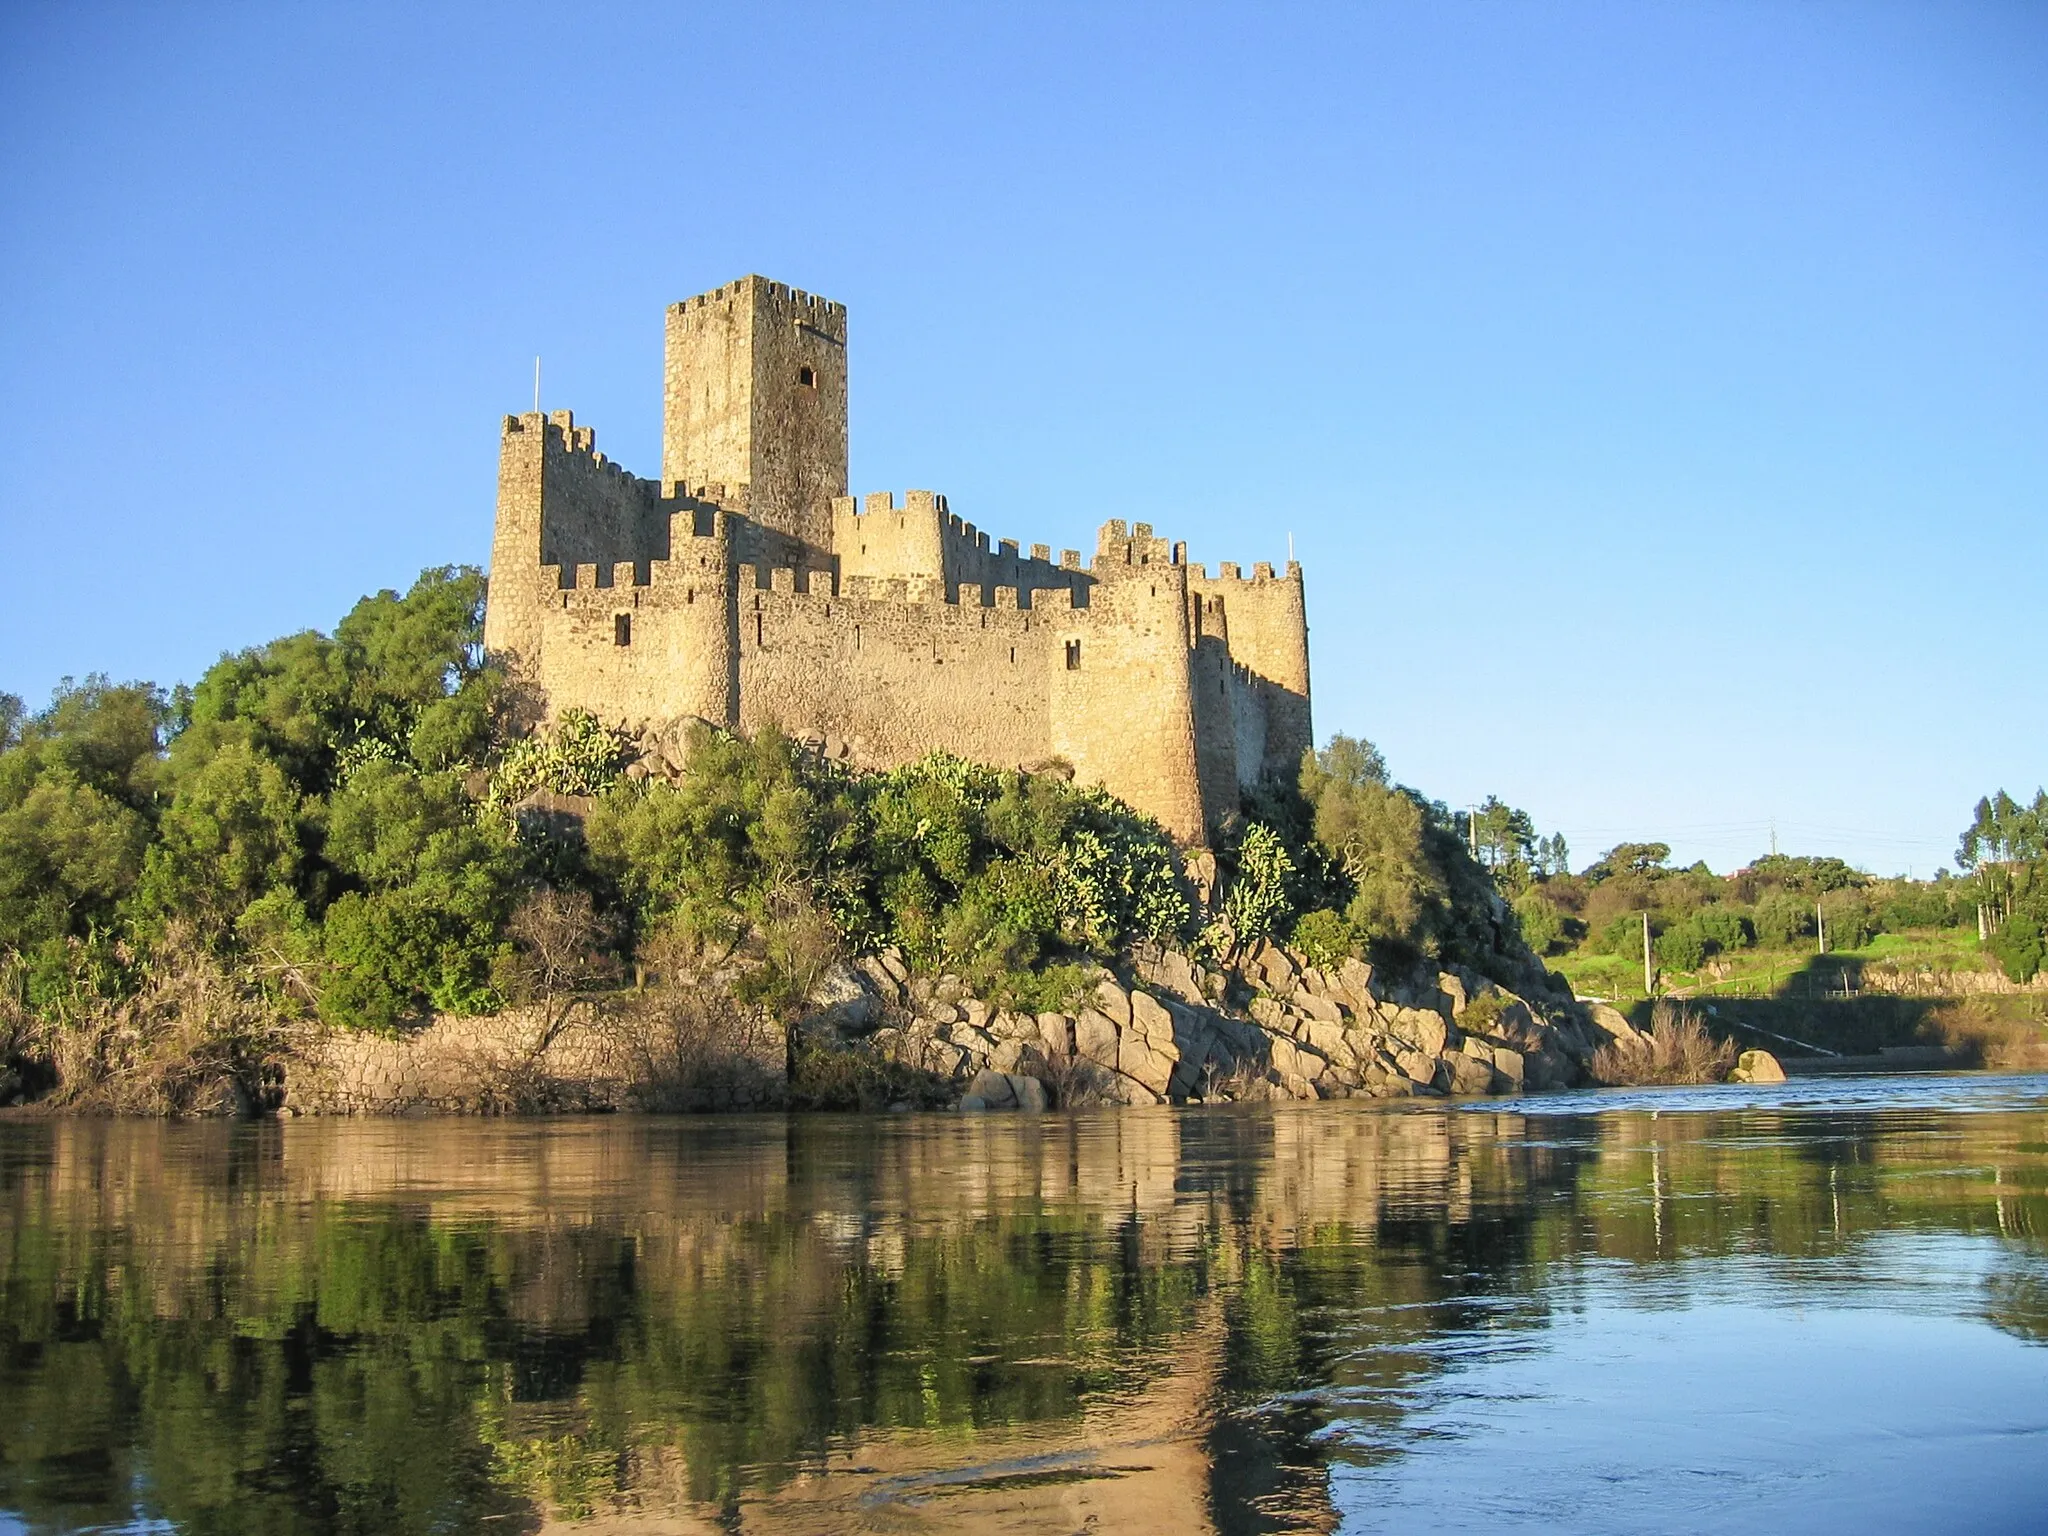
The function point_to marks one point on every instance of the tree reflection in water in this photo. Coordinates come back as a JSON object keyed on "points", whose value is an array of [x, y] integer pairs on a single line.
{"points": [[1153, 1320]]}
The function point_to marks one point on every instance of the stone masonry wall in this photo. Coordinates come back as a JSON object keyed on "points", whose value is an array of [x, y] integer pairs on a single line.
{"points": [[744, 588]]}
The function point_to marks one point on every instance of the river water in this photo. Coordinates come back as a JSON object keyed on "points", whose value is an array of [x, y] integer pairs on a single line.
{"points": [[1813, 1307]]}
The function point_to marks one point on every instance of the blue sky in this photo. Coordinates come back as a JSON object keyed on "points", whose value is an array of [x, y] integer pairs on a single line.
{"points": [[1657, 395]]}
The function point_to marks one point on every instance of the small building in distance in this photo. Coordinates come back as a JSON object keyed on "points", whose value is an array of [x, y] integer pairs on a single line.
{"points": [[745, 587]]}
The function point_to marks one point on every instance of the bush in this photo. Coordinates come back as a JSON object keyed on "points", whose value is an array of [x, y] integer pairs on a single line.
{"points": [[1543, 926], [1783, 918], [1678, 1049], [2020, 944], [1850, 922], [1376, 834], [1323, 938], [1623, 935], [1682, 947], [1916, 904], [1724, 929]]}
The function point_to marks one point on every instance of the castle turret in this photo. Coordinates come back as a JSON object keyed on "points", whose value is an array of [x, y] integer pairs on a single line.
{"points": [[754, 395]]}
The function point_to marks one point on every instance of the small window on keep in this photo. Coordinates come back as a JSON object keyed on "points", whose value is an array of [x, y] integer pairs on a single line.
{"points": [[807, 377], [622, 629], [1073, 655]]}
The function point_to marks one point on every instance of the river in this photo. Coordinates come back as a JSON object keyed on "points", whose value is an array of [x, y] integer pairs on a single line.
{"points": [[1820, 1306]]}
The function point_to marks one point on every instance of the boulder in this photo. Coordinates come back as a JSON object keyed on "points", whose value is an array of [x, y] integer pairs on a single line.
{"points": [[1415, 1066], [975, 1012], [993, 1088], [1317, 1006], [886, 985], [1609, 1023], [1757, 1067], [844, 1000], [1464, 1074], [1149, 1018], [1357, 977], [1030, 1094], [1291, 1060], [1143, 1062], [1174, 973], [1453, 988], [1275, 967], [1095, 1037], [1056, 1033], [1510, 1065], [1329, 1039], [1013, 1026], [1025, 1056], [1113, 1002], [968, 1038], [1422, 1028], [1124, 1090]]}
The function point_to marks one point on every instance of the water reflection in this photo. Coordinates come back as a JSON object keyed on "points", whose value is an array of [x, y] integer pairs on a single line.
{"points": [[1289, 1319]]}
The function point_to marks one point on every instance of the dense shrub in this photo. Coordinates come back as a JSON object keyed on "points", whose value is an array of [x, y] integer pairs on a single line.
{"points": [[1542, 924], [1783, 918], [1724, 928], [2020, 943], [1623, 935], [1682, 947]]}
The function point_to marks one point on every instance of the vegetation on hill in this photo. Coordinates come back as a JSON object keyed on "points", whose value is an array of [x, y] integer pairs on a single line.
{"points": [[1780, 917], [342, 827]]}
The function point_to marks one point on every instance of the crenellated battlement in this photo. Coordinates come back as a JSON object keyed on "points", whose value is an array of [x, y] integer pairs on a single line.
{"points": [[1231, 571], [779, 293], [1118, 548]]}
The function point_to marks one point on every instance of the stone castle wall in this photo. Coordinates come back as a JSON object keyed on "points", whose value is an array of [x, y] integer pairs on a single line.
{"points": [[745, 589]]}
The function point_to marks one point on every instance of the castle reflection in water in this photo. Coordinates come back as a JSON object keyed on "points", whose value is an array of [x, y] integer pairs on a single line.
{"points": [[1125, 1321]]}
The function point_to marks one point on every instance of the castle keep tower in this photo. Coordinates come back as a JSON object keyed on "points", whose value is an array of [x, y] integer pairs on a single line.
{"points": [[754, 395], [745, 587]]}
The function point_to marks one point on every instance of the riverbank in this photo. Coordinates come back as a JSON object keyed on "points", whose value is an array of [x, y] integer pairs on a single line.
{"points": [[1160, 1029]]}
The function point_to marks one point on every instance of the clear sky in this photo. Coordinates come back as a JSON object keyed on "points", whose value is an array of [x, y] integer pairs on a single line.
{"points": [[1656, 394]]}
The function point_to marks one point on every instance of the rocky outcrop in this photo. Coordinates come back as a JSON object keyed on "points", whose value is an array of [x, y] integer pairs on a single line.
{"points": [[1173, 1031], [1164, 1029]]}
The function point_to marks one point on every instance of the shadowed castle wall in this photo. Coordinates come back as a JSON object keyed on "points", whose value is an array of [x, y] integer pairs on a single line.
{"points": [[1265, 622]]}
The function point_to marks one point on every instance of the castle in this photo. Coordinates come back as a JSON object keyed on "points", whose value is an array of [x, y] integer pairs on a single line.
{"points": [[746, 587]]}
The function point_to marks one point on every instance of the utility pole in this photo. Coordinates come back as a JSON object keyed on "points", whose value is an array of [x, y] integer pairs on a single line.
{"points": [[1649, 979], [1774, 828], [1820, 922]]}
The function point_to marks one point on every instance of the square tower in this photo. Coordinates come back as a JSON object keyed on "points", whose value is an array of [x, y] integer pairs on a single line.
{"points": [[754, 394]]}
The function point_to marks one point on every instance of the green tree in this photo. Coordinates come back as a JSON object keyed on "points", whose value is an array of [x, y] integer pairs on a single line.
{"points": [[229, 836], [1377, 836], [1630, 859]]}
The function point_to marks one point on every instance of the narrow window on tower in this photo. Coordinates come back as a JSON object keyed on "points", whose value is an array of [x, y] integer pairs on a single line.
{"points": [[807, 377], [1073, 655], [622, 629]]}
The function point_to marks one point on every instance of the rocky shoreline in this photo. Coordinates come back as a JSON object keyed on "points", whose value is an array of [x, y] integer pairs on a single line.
{"points": [[1160, 1029]]}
